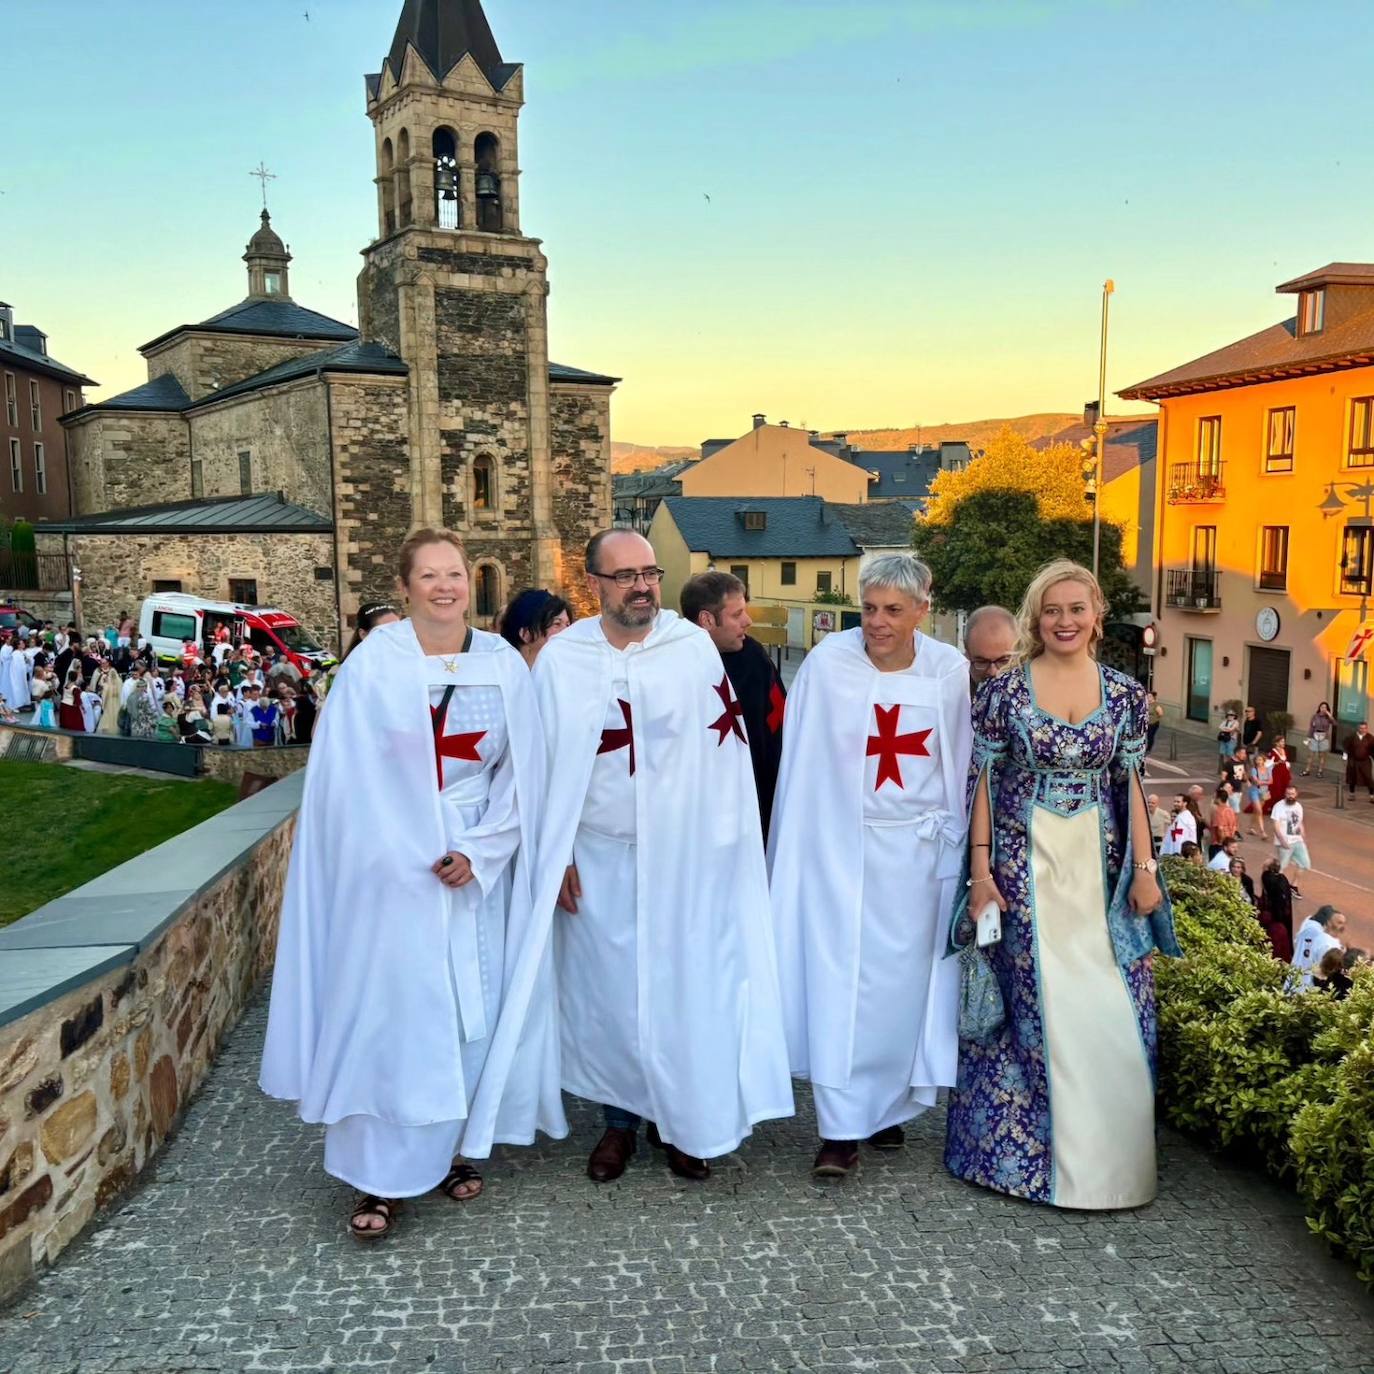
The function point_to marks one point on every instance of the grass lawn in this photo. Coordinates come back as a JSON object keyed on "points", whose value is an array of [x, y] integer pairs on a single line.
{"points": [[61, 827]]}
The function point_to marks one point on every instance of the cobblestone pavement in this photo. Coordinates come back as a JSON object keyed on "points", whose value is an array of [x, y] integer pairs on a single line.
{"points": [[232, 1256]]}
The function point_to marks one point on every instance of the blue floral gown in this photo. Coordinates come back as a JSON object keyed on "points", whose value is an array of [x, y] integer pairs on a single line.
{"points": [[1058, 1107]]}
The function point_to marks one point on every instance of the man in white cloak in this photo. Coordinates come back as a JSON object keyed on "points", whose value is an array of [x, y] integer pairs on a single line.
{"points": [[651, 845], [14, 677], [865, 856]]}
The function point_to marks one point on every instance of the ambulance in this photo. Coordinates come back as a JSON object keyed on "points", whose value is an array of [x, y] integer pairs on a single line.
{"points": [[169, 619]]}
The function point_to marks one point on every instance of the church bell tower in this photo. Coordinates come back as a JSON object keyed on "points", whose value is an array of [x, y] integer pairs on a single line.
{"points": [[452, 285]]}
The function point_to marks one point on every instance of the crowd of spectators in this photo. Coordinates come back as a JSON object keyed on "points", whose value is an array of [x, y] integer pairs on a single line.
{"points": [[223, 695]]}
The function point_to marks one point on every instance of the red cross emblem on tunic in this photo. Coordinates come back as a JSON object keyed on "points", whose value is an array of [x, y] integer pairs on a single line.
{"points": [[611, 740], [730, 717], [887, 744], [777, 705], [1176, 833], [462, 746]]}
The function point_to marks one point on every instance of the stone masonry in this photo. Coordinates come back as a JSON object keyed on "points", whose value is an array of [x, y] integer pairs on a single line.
{"points": [[206, 362], [91, 1084], [120, 460], [580, 432]]}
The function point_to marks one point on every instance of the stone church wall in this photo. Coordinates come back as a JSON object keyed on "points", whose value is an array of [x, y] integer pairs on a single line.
{"points": [[124, 459], [286, 431], [204, 363], [580, 438], [118, 572], [372, 469]]}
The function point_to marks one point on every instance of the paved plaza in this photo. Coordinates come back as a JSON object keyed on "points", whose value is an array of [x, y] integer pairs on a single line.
{"points": [[232, 1256]]}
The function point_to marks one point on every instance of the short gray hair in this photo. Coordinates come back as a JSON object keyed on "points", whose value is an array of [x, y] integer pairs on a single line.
{"points": [[903, 572], [988, 613]]}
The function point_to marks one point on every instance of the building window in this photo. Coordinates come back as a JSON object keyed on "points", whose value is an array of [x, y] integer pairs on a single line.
{"points": [[324, 574], [488, 591], [741, 570], [11, 401], [1357, 561], [68, 401], [1278, 454], [40, 470], [272, 283], [1273, 573], [482, 484], [1361, 453], [16, 466], [822, 582], [197, 478], [244, 590], [789, 575], [166, 623], [1204, 548], [245, 472], [1311, 311], [1209, 446], [755, 520], [35, 406]]}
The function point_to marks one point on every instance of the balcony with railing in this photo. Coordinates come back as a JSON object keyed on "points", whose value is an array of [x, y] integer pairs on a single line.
{"points": [[1195, 482], [1193, 589]]}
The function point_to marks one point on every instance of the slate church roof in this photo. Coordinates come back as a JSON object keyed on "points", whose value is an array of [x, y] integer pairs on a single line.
{"points": [[257, 315], [443, 32], [263, 513]]}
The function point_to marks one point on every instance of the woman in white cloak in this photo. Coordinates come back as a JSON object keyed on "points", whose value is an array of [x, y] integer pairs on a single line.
{"points": [[412, 1007], [14, 677]]}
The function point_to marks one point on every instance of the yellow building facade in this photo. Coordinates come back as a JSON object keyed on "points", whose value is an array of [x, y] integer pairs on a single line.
{"points": [[776, 460], [1264, 522]]}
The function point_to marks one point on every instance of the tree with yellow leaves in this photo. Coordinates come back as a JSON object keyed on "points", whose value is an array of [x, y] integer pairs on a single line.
{"points": [[1053, 475]]}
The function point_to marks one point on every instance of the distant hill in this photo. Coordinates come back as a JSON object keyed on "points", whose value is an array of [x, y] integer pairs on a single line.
{"points": [[642, 457], [975, 433]]}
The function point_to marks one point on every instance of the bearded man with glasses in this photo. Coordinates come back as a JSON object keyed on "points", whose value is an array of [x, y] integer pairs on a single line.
{"points": [[651, 848]]}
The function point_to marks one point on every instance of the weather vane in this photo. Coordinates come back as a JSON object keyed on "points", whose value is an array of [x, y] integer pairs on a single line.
{"points": [[264, 176]]}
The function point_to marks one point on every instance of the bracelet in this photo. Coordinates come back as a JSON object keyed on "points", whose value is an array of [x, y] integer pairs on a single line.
{"points": [[972, 882], [978, 844]]}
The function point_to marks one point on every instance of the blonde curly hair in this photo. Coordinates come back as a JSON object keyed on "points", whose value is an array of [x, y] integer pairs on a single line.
{"points": [[1029, 643]]}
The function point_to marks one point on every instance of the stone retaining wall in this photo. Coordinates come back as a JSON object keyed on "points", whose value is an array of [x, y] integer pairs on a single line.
{"points": [[94, 1077], [229, 765]]}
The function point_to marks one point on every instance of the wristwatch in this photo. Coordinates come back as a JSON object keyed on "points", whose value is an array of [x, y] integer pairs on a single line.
{"points": [[1149, 866]]}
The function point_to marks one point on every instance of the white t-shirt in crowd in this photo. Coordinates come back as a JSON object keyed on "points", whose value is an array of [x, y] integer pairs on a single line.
{"points": [[1287, 818], [1220, 862]]}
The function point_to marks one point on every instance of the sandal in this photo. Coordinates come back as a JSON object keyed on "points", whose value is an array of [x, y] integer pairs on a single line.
{"points": [[371, 1206], [461, 1175]]}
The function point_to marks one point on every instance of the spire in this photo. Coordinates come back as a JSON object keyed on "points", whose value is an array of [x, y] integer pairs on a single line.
{"points": [[442, 32]]}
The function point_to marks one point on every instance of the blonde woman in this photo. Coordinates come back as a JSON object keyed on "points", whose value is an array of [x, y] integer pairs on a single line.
{"points": [[1058, 1105]]}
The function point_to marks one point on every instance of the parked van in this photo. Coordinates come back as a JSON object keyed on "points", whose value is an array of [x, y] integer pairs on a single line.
{"points": [[169, 619]]}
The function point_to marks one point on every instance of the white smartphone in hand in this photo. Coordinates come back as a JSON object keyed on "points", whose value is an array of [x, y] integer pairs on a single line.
{"points": [[989, 926]]}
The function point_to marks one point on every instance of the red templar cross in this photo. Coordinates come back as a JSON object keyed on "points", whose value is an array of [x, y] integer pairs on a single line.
{"points": [[730, 717], [777, 706], [611, 740], [453, 746], [887, 744]]}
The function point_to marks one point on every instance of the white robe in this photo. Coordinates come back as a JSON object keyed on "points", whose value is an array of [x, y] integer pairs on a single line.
{"points": [[91, 708], [667, 977], [381, 986], [1310, 947], [14, 678], [865, 856], [1182, 830]]}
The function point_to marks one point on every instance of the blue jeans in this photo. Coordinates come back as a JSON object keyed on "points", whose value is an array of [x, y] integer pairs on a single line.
{"points": [[617, 1119]]}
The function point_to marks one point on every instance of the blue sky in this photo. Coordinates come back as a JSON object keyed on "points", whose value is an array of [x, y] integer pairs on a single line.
{"points": [[912, 205]]}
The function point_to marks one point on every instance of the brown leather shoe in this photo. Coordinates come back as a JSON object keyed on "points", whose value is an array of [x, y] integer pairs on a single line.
{"points": [[612, 1153], [835, 1159], [683, 1165], [889, 1138]]}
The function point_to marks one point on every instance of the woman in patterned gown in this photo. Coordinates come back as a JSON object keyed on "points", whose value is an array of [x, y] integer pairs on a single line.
{"points": [[1058, 1106]]}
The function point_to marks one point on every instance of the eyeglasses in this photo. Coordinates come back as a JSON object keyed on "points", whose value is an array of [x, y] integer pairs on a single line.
{"points": [[627, 577], [986, 665]]}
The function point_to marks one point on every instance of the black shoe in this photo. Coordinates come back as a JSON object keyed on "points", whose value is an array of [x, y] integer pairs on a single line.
{"points": [[889, 1138], [835, 1159], [612, 1153], [683, 1165]]}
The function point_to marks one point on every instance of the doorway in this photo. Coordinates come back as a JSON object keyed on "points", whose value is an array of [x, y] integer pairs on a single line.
{"points": [[1267, 683], [1199, 679]]}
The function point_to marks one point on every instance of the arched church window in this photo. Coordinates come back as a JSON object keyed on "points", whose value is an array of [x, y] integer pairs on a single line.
{"points": [[488, 591], [388, 173], [486, 152], [483, 483], [403, 201], [446, 203]]}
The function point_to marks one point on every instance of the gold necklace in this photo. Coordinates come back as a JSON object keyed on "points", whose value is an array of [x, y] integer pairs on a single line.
{"points": [[450, 664]]}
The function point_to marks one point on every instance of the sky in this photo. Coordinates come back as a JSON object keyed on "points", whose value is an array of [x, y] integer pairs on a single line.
{"points": [[848, 215]]}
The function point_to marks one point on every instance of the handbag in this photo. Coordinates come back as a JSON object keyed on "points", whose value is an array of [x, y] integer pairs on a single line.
{"points": [[982, 1010]]}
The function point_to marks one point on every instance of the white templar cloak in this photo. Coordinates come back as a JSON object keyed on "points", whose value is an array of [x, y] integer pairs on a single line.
{"points": [[865, 856], [668, 987], [365, 1018]]}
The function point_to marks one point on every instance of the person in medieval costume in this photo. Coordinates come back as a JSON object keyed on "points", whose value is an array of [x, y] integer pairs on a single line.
{"points": [[412, 1004], [866, 850], [69, 713], [111, 694], [14, 677], [1056, 1104], [667, 977]]}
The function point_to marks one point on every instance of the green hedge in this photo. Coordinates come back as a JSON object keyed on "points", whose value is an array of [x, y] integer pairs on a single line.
{"points": [[1280, 1077]]}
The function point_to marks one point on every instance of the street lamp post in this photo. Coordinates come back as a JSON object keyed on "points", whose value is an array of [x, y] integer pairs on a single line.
{"points": [[1100, 428]]}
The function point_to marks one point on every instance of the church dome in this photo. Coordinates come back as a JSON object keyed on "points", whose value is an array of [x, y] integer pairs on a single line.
{"points": [[266, 243]]}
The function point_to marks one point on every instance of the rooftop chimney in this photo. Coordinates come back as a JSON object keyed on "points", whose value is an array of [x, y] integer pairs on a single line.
{"points": [[783, 423], [760, 421], [1090, 413], [841, 439]]}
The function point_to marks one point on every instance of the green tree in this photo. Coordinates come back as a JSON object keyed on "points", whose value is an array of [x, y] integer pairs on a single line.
{"points": [[992, 542]]}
